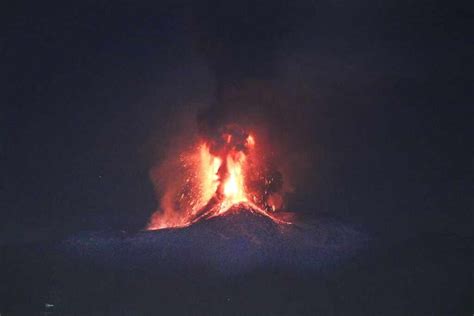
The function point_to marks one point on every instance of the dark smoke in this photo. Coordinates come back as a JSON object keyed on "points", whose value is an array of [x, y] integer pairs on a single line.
{"points": [[348, 99], [239, 42]]}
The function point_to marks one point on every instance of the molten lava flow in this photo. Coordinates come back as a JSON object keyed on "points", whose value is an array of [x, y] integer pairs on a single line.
{"points": [[233, 185], [217, 179]]}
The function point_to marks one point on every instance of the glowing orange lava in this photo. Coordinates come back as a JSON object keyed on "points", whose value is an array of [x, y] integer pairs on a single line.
{"points": [[234, 190], [215, 181]]}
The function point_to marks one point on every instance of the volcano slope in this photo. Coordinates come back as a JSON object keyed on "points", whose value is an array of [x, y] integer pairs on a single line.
{"points": [[238, 263]]}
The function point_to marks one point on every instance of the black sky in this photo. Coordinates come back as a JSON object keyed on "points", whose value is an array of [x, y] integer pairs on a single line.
{"points": [[378, 101]]}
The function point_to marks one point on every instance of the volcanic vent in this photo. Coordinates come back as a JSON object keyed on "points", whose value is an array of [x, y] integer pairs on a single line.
{"points": [[217, 174]]}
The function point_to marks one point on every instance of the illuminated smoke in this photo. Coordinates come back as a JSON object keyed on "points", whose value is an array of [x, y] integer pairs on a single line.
{"points": [[214, 175]]}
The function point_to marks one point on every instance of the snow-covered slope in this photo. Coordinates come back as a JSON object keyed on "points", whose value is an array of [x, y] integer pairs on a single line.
{"points": [[235, 242]]}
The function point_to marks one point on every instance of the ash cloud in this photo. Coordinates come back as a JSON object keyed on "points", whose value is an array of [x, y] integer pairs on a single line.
{"points": [[240, 42], [343, 94]]}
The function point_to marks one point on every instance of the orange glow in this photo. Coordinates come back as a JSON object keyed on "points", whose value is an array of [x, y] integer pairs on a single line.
{"points": [[234, 184], [209, 180], [214, 180], [251, 140]]}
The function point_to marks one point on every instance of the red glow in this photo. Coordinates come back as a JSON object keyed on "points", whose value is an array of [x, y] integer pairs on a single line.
{"points": [[251, 140], [216, 176]]}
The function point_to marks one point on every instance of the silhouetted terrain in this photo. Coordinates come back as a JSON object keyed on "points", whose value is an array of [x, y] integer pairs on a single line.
{"points": [[240, 263]]}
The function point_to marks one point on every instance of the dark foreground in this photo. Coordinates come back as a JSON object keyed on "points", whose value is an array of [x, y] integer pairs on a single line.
{"points": [[240, 264]]}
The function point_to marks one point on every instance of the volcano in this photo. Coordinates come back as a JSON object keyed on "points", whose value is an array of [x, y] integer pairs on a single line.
{"points": [[242, 239], [239, 263]]}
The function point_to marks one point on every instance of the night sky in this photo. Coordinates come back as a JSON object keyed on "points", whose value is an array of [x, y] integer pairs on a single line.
{"points": [[377, 106]]}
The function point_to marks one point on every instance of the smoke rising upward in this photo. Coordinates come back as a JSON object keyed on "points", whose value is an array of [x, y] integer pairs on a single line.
{"points": [[239, 41], [239, 153]]}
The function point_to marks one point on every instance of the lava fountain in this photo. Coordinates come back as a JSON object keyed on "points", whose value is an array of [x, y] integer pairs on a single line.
{"points": [[219, 173]]}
